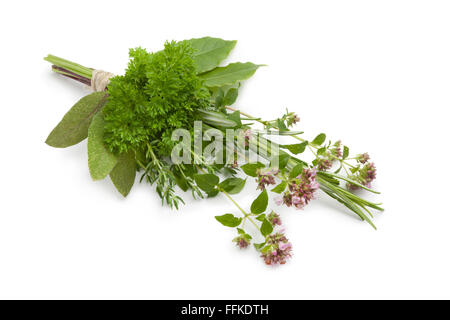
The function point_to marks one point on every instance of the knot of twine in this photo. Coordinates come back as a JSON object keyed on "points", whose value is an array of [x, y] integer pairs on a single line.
{"points": [[100, 80]]}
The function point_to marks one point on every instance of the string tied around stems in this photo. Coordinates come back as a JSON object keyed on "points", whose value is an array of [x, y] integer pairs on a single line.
{"points": [[100, 80]]}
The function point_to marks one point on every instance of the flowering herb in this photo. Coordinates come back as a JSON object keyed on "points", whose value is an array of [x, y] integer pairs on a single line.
{"points": [[132, 123]]}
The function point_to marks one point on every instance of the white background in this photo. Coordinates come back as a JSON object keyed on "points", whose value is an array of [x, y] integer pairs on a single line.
{"points": [[375, 74]]}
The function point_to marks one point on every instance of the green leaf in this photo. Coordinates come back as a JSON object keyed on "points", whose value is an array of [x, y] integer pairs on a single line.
{"points": [[230, 97], [321, 151], [298, 169], [280, 188], [295, 148], [209, 52], [73, 128], [212, 193], [266, 228], [229, 220], [232, 185], [345, 153], [250, 168], [207, 182], [319, 139], [236, 117], [124, 173], [283, 159], [258, 246], [260, 203], [100, 160], [230, 74], [261, 217]]}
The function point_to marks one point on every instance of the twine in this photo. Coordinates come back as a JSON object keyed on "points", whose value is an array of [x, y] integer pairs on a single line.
{"points": [[100, 80]]}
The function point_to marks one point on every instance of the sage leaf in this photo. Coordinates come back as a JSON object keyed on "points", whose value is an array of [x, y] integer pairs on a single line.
{"points": [[250, 168], [260, 203], [230, 74], [207, 182], [232, 185], [229, 220], [100, 160], [319, 139], [124, 173], [209, 52], [73, 128], [266, 228]]}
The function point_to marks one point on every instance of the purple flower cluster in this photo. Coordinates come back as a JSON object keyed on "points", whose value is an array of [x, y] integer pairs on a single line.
{"points": [[336, 150], [241, 241], [292, 119], [274, 219], [266, 177], [301, 190], [277, 250], [324, 164], [325, 161], [363, 158], [364, 175]]}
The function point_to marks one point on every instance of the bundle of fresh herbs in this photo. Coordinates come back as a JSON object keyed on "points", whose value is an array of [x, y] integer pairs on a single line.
{"points": [[169, 118]]}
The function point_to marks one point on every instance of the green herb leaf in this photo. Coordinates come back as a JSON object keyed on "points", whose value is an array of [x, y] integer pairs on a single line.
{"points": [[212, 193], [74, 126], [321, 151], [209, 52], [258, 246], [230, 97], [229, 220], [124, 173], [298, 169], [319, 139], [236, 117], [230, 74], [283, 159], [207, 182], [232, 185], [100, 160], [250, 168], [345, 153], [295, 148], [260, 203], [266, 228], [261, 217], [280, 188]]}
